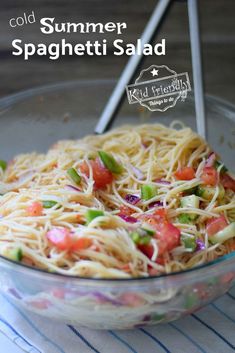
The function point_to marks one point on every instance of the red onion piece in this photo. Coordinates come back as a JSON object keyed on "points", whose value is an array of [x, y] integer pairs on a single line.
{"points": [[200, 245], [74, 188], [132, 199], [162, 181], [210, 160], [156, 204], [139, 175], [57, 234], [128, 219]]}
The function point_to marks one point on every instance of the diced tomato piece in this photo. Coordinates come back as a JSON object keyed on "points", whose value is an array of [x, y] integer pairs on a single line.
{"points": [[125, 267], [63, 239], [101, 175], [167, 235], [153, 271], [186, 173], [151, 220], [214, 225], [228, 182], [156, 219], [160, 260], [35, 209], [146, 250], [209, 176], [161, 213], [126, 211], [80, 244], [168, 238]]}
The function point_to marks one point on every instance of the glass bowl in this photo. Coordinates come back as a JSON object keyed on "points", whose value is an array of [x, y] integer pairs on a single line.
{"points": [[34, 120]]}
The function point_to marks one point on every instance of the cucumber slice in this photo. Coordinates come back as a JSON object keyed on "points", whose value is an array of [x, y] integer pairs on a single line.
{"points": [[191, 201], [208, 192], [15, 254], [223, 235]]}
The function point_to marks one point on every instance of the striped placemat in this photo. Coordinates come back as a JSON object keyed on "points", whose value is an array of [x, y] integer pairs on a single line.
{"points": [[210, 330]]}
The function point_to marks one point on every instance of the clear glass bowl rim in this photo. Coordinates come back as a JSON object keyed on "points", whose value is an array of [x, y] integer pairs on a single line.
{"points": [[14, 98]]}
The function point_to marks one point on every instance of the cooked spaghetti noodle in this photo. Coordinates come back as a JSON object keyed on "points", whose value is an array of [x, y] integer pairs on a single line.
{"points": [[137, 201]]}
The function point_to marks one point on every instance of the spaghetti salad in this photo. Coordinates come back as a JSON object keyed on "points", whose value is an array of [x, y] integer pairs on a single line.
{"points": [[137, 201]]}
